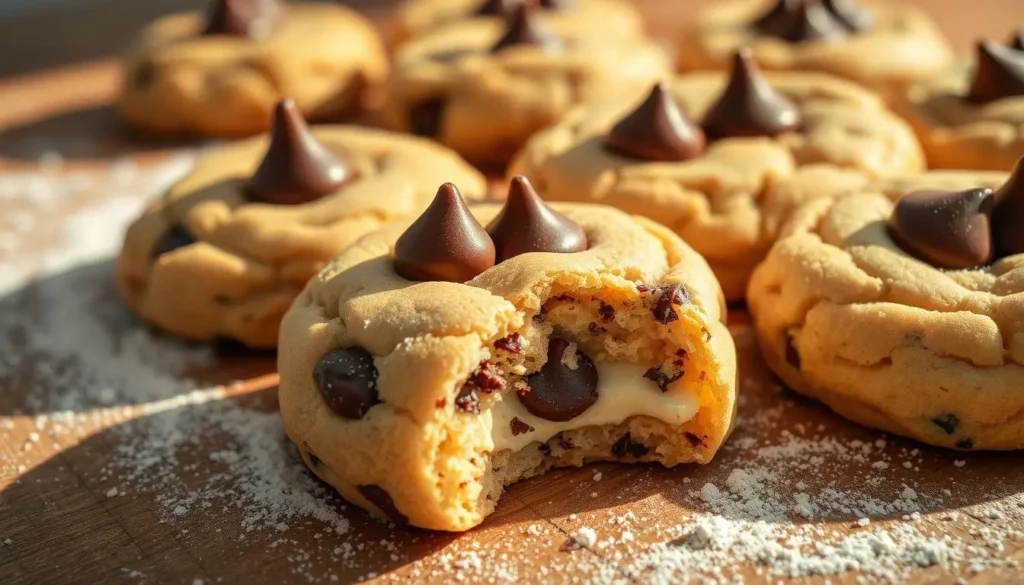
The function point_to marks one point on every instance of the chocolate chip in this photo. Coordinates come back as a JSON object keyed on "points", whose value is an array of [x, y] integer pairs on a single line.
{"points": [[627, 446], [656, 130], [943, 228], [662, 378], [792, 355], [467, 401], [850, 14], [1017, 41], [749, 106], [497, 7], [998, 73], [380, 498], [297, 167], [800, 21], [965, 444], [425, 117], [519, 427], [445, 243], [693, 439], [1008, 214], [526, 224], [347, 379], [671, 296], [487, 378], [244, 18], [606, 312], [544, 448], [525, 26], [512, 343], [561, 390], [947, 422], [176, 236]]}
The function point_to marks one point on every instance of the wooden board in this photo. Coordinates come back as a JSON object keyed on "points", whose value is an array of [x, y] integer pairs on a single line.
{"points": [[60, 521]]}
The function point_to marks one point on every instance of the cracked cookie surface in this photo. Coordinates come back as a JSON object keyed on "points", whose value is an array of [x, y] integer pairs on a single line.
{"points": [[449, 425], [844, 315]]}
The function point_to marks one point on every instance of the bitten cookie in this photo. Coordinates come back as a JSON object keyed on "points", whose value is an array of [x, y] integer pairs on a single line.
{"points": [[483, 87], [431, 365], [971, 117], [225, 251], [882, 45], [220, 75], [901, 306], [601, 18], [711, 184]]}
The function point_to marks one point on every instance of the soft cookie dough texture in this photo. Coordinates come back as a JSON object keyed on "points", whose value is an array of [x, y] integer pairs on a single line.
{"points": [[415, 456], [242, 263], [179, 81], [845, 316], [721, 202], [901, 46]]}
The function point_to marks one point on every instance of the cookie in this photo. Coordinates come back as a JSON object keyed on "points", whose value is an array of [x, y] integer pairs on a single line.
{"points": [[883, 45], [220, 74], [900, 304], [711, 183], [970, 116], [225, 250], [603, 18], [482, 87], [432, 364]]}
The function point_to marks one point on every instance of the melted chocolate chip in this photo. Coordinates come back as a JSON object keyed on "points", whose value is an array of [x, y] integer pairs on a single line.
{"points": [[519, 427], [1008, 215], [512, 343], [244, 18], [606, 312], [380, 498], [749, 106], [526, 224], [656, 130], [800, 21], [945, 229], [671, 296], [347, 380], [525, 26], [425, 117], [998, 73], [792, 355], [497, 7], [176, 236], [445, 243], [297, 168], [544, 448], [850, 14], [947, 422], [662, 378], [559, 392], [627, 446], [486, 378]]}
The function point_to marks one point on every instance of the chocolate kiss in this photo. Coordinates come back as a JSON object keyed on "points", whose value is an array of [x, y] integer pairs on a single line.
{"points": [[749, 106], [1008, 216], [799, 21], [445, 243], [497, 7], [998, 73], [526, 224], [850, 14], [656, 130], [1017, 41], [297, 168], [525, 26], [943, 228], [244, 18]]}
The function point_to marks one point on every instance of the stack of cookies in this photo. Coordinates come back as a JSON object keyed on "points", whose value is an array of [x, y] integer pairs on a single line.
{"points": [[828, 165]]}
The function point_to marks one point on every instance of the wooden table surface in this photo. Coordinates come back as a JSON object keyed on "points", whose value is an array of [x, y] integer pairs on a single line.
{"points": [[61, 523]]}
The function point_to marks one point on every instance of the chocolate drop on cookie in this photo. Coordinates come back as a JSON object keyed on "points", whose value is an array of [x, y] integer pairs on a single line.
{"points": [[850, 14], [656, 130], [445, 243], [497, 7], [347, 380], [244, 18], [799, 21], [1008, 215], [671, 296], [379, 497], [945, 229], [749, 106], [998, 73], [297, 167], [176, 236], [556, 391], [526, 224], [525, 26]]}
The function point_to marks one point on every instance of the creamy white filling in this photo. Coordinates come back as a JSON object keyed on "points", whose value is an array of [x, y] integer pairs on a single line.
{"points": [[622, 392]]}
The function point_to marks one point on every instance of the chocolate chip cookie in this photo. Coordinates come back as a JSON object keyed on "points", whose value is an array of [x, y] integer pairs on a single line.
{"points": [[225, 251], [901, 306], [220, 74], [482, 87], [433, 363], [700, 154], [971, 115], [880, 44]]}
